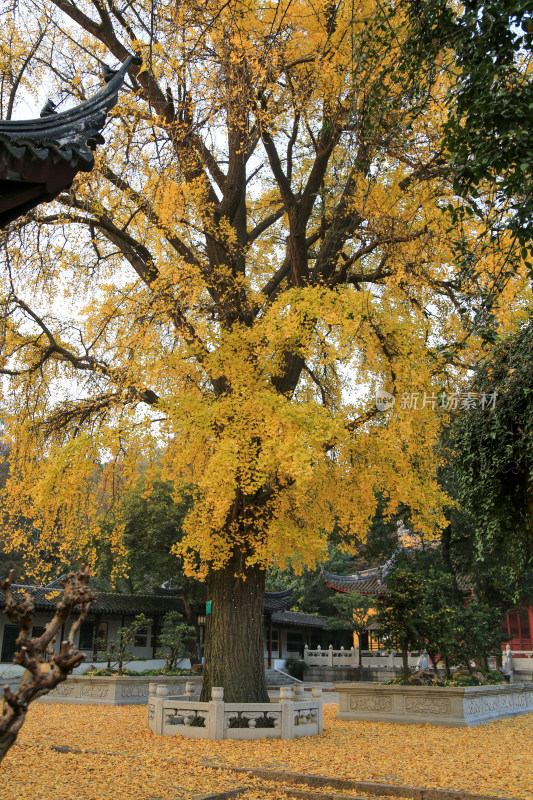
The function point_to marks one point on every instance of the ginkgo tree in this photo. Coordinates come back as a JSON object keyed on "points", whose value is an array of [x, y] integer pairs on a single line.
{"points": [[260, 247]]}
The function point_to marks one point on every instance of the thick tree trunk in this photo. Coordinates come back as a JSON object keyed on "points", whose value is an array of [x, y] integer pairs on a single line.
{"points": [[234, 647]]}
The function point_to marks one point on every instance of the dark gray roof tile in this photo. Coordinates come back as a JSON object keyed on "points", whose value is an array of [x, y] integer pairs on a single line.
{"points": [[40, 157], [365, 582], [45, 598], [300, 620], [278, 601]]}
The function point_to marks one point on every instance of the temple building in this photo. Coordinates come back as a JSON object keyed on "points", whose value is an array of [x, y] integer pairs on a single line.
{"points": [[286, 632], [517, 625], [367, 582]]}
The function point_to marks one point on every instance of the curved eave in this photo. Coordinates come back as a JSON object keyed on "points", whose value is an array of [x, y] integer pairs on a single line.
{"points": [[279, 595], [75, 123], [40, 157], [278, 601], [368, 584]]}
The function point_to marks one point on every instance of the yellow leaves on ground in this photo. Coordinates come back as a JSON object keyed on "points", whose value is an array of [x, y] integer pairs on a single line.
{"points": [[133, 764]]}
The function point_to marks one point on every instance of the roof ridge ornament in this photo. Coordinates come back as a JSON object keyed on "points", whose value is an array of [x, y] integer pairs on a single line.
{"points": [[48, 108], [108, 73]]}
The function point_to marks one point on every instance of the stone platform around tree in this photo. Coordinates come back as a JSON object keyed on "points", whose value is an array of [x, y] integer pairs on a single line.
{"points": [[458, 706], [295, 715], [112, 690]]}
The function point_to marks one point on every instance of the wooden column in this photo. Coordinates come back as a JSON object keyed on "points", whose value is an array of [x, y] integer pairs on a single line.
{"points": [[269, 641], [155, 634], [95, 636]]}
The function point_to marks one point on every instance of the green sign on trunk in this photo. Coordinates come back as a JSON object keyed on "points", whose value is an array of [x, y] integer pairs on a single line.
{"points": [[208, 606]]}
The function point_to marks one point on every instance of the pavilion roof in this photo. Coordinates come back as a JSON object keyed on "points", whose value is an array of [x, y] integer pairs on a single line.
{"points": [[368, 581], [40, 157], [373, 581]]}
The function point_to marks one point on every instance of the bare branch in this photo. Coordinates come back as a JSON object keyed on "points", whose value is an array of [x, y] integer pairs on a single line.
{"points": [[40, 677], [22, 70], [266, 223]]}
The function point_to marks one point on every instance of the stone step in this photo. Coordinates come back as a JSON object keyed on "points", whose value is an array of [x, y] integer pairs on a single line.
{"points": [[275, 678]]}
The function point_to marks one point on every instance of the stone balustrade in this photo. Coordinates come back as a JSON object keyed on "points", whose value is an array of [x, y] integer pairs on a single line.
{"points": [[113, 690], [346, 658], [523, 660], [387, 660], [290, 718], [329, 657], [457, 706]]}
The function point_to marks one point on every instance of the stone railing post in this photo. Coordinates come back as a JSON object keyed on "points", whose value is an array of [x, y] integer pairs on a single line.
{"points": [[156, 713], [316, 694], [151, 706], [298, 691], [353, 654], [330, 655], [306, 654], [215, 724], [287, 711], [189, 689]]}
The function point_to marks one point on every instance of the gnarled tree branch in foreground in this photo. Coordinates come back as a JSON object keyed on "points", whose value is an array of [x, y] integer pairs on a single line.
{"points": [[40, 676]]}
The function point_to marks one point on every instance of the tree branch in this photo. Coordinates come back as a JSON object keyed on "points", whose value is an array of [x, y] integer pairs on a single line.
{"points": [[40, 677], [262, 226], [148, 210]]}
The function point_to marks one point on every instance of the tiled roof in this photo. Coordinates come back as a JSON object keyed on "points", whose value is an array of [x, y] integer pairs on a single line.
{"points": [[374, 581], [298, 619], [368, 581], [46, 597], [278, 601], [40, 157]]}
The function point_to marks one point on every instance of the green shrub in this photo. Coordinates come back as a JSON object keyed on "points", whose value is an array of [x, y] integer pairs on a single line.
{"points": [[104, 672], [296, 667], [492, 677]]}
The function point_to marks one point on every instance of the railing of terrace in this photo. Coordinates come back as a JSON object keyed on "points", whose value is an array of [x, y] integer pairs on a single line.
{"points": [[348, 658], [294, 716]]}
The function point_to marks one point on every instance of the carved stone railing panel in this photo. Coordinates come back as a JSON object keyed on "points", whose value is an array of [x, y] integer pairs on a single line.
{"points": [[115, 690], [185, 716], [461, 706], [329, 657], [287, 719]]}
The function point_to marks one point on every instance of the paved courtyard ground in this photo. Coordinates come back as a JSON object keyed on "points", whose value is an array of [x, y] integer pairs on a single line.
{"points": [[130, 763]]}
